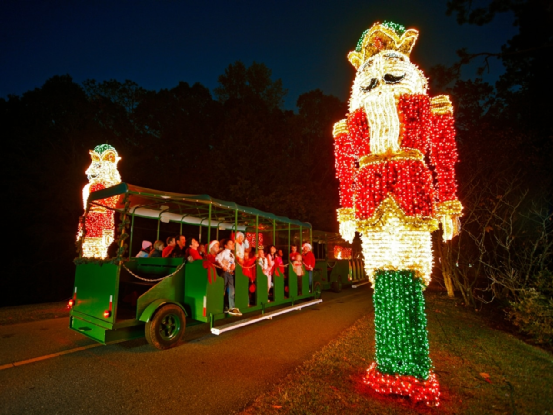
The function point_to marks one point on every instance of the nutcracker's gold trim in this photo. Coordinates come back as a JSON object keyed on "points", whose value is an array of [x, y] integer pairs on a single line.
{"points": [[341, 127], [389, 209], [449, 208], [345, 214], [441, 105], [404, 154], [380, 38]]}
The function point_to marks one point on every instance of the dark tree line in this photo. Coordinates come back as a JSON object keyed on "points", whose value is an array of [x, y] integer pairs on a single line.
{"points": [[504, 254], [239, 145]]}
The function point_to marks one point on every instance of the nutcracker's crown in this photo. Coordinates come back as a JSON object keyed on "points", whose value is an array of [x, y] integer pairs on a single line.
{"points": [[385, 36], [104, 152]]}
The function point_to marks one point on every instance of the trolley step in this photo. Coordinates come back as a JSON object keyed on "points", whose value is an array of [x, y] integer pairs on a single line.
{"points": [[266, 316]]}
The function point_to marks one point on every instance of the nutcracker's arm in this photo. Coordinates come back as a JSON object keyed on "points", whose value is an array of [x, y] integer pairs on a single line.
{"points": [[86, 193], [443, 155], [345, 155]]}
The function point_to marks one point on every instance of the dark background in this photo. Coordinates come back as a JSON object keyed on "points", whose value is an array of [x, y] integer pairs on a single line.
{"points": [[236, 100], [157, 44]]}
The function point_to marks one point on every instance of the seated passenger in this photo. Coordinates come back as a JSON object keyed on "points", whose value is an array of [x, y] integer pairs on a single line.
{"points": [[179, 251], [201, 250], [169, 248], [146, 249], [158, 250], [193, 253]]}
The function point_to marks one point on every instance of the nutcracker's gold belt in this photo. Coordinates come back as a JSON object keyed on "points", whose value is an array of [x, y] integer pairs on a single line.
{"points": [[404, 154]]}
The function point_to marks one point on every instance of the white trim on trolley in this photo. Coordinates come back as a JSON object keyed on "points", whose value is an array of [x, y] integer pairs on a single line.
{"points": [[266, 316]]}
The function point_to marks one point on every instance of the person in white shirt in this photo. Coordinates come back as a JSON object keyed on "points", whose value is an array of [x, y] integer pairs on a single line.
{"points": [[241, 245], [226, 261], [264, 264]]}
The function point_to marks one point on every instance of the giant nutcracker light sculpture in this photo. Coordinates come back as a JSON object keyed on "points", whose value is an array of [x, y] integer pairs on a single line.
{"points": [[395, 158], [99, 225]]}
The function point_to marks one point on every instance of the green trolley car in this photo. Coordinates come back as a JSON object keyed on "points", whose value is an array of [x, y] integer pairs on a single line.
{"points": [[124, 297]]}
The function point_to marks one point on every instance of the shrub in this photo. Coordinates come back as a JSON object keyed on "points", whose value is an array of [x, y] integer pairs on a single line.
{"points": [[532, 313]]}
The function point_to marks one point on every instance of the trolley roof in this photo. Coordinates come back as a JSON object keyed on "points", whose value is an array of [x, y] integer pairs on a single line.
{"points": [[188, 208]]}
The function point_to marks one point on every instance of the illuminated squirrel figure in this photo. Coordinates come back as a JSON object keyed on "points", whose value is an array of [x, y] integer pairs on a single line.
{"points": [[99, 223], [388, 193]]}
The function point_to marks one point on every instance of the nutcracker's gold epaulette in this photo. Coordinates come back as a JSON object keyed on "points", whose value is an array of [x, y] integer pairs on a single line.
{"points": [[441, 105], [341, 127], [449, 208]]}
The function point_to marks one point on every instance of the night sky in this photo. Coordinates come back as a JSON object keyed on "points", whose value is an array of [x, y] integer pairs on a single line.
{"points": [[159, 43]]}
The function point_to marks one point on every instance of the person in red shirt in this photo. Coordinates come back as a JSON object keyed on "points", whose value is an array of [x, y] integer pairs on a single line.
{"points": [[209, 262], [293, 253], [279, 264], [309, 262], [248, 269], [168, 250], [193, 253]]}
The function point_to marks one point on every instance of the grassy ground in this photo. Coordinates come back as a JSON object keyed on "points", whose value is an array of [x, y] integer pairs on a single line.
{"points": [[480, 370]]}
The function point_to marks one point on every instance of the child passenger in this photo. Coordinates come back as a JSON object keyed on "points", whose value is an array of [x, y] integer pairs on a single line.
{"points": [[264, 264], [158, 249], [249, 266], [298, 269], [293, 253], [146, 249]]}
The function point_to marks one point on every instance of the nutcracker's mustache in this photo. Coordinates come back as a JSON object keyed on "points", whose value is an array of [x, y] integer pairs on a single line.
{"points": [[388, 79]]}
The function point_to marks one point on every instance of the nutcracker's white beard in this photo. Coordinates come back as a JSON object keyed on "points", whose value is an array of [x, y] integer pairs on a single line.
{"points": [[384, 127]]}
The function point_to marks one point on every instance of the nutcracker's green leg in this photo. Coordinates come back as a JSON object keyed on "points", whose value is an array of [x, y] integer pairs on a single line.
{"points": [[400, 324]]}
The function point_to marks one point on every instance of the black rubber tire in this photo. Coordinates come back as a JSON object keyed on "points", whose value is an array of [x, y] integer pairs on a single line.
{"points": [[166, 328], [336, 286]]}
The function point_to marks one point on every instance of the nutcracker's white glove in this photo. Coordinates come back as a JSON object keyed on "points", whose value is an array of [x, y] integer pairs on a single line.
{"points": [[346, 219], [451, 225], [347, 230]]}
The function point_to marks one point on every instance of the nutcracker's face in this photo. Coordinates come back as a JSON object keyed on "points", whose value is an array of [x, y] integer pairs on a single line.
{"points": [[386, 73], [103, 167]]}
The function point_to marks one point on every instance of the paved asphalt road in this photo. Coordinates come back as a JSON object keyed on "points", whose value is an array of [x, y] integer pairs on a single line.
{"points": [[207, 375]]}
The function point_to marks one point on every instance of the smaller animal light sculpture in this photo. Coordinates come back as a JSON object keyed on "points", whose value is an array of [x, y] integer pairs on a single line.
{"points": [[99, 221]]}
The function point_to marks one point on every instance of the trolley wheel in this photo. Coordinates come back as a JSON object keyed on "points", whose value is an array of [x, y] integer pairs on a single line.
{"points": [[166, 328], [317, 290], [336, 286]]}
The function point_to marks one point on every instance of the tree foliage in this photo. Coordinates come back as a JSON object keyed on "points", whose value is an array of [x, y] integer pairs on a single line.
{"points": [[505, 177], [242, 146]]}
